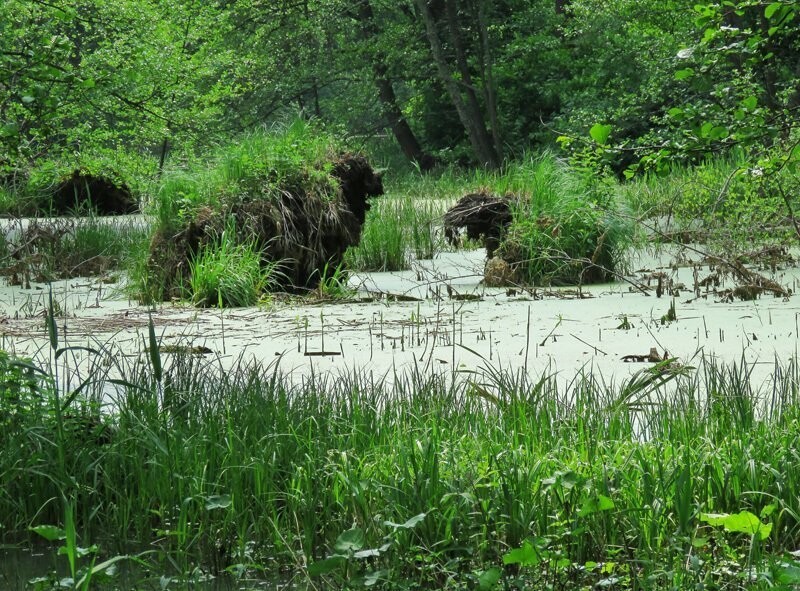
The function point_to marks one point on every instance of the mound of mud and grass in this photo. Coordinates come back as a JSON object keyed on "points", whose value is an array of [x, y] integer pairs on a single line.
{"points": [[84, 193], [549, 229], [300, 216]]}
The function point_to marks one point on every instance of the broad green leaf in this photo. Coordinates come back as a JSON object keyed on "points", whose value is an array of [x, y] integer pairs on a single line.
{"points": [[742, 522], [106, 566], [595, 505], [323, 567], [88, 83], [413, 522], [9, 129], [788, 574], [79, 551], [675, 112], [750, 103], [770, 10], [527, 555], [51, 533], [684, 74], [350, 541], [718, 132], [747, 523], [218, 502], [488, 579], [600, 133], [715, 519], [375, 577]]}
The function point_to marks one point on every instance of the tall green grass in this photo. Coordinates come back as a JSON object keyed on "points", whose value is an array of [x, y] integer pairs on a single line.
{"points": [[56, 249], [566, 229], [396, 231], [730, 203], [227, 273], [419, 479], [261, 165]]}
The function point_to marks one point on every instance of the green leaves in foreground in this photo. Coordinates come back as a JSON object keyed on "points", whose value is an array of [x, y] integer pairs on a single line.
{"points": [[350, 546], [742, 522]]}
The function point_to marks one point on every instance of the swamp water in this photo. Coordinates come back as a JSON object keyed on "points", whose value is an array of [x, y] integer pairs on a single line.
{"points": [[25, 569], [437, 317]]}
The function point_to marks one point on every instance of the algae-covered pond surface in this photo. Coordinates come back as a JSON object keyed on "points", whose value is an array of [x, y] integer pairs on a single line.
{"points": [[437, 316]]}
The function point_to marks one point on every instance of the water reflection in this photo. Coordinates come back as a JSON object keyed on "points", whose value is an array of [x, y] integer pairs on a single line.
{"points": [[43, 569]]}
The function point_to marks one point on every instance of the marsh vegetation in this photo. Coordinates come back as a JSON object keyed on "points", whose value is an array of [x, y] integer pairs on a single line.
{"points": [[430, 294]]}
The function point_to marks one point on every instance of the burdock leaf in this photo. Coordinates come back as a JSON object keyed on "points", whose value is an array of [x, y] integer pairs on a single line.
{"points": [[51, 533], [350, 541]]}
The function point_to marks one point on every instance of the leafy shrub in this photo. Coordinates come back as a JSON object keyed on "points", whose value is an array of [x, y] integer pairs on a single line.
{"points": [[21, 398]]}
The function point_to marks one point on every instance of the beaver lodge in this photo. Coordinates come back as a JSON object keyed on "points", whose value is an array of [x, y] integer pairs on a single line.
{"points": [[300, 222]]}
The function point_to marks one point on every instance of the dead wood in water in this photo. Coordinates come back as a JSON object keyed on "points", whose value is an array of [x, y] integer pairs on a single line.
{"points": [[483, 217]]}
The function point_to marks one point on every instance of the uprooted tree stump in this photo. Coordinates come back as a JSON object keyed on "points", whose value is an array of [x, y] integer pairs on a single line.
{"points": [[303, 233], [485, 218], [561, 242], [84, 192], [482, 216]]}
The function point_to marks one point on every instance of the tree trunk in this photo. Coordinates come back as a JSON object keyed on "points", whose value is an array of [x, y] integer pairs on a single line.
{"points": [[391, 110], [472, 104], [488, 81], [471, 121]]}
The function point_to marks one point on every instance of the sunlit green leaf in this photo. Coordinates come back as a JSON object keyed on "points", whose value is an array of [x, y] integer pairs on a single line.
{"points": [[595, 505], [51, 533], [771, 9], [742, 522], [600, 133], [750, 103], [488, 579]]}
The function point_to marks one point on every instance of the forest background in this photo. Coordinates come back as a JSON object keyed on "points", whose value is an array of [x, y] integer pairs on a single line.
{"points": [[466, 82]]}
